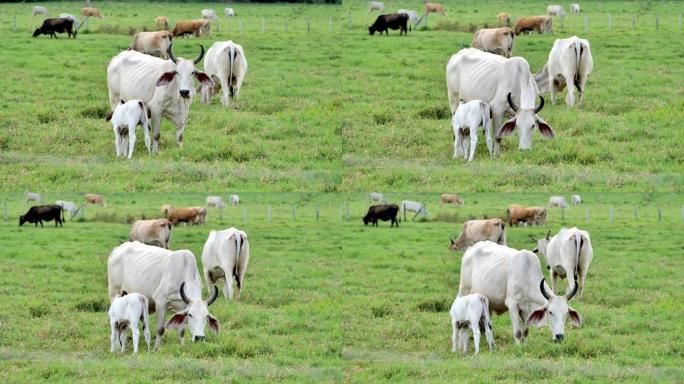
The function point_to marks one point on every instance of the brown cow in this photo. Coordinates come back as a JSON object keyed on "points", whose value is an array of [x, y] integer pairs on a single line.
{"points": [[94, 199], [152, 232], [185, 215], [152, 43], [435, 7], [91, 12], [504, 18], [518, 214], [498, 41], [162, 22], [450, 199], [201, 217], [541, 24], [479, 230], [197, 27]]}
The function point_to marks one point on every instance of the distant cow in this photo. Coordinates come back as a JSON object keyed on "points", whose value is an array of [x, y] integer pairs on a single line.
{"points": [[525, 215], [504, 18], [209, 14], [39, 10], [225, 256], [226, 64], [479, 230], [555, 10], [153, 43], [199, 28], [93, 198], [385, 22], [125, 120], [58, 25], [215, 201], [569, 64], [39, 213], [234, 200], [201, 217], [32, 196], [377, 196], [558, 201], [575, 8], [470, 311], [541, 24], [450, 199], [498, 41], [465, 122], [151, 232], [183, 215], [435, 8], [124, 313], [413, 206], [576, 200], [383, 212], [68, 206], [72, 18], [229, 12], [568, 255], [413, 16], [161, 22], [376, 6], [91, 12]]}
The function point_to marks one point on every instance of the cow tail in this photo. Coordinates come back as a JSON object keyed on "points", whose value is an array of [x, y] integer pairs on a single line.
{"points": [[231, 61], [578, 57], [578, 246], [485, 322], [236, 268], [145, 312]]}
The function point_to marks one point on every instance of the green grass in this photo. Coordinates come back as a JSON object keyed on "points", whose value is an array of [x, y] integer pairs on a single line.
{"points": [[332, 300]]}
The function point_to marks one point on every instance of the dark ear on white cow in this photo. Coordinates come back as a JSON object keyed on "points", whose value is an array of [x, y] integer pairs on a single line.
{"points": [[123, 102], [166, 78], [537, 317], [109, 115], [177, 320], [545, 128], [204, 79], [575, 318], [506, 129], [213, 323]]}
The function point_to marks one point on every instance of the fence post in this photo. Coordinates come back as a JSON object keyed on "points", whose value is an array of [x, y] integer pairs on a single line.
{"points": [[403, 211], [657, 21], [660, 214], [83, 209], [269, 213], [562, 23], [318, 213], [5, 216], [218, 25], [308, 24], [241, 27], [14, 23], [244, 215], [294, 212], [634, 22], [341, 211], [586, 215], [330, 23], [586, 24], [611, 214], [350, 23], [610, 23], [263, 25]]}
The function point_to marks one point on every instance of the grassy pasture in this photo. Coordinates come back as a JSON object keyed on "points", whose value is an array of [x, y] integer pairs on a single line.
{"points": [[334, 301]]}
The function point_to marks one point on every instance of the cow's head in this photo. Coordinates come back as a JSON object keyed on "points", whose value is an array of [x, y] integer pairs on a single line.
{"points": [[555, 312], [184, 73], [366, 219], [371, 30], [542, 244], [196, 315], [452, 245], [525, 120], [37, 32], [22, 220]]}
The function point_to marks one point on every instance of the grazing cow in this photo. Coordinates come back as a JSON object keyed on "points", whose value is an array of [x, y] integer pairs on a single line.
{"points": [[539, 215], [471, 311], [226, 64], [468, 117], [498, 41], [386, 22], [568, 253], [413, 206], [234, 199], [199, 28], [575, 8], [376, 6], [576, 200], [382, 212], [155, 232], [166, 209], [512, 280], [153, 43], [201, 217], [525, 215], [93, 198], [124, 313], [58, 25], [161, 22], [91, 12], [377, 196], [413, 17], [209, 14], [38, 213], [72, 18], [435, 8], [39, 10], [229, 12], [558, 201], [215, 201], [474, 231], [541, 24], [504, 18], [32, 196], [570, 63], [502, 83], [169, 279], [450, 199], [555, 10], [68, 206], [183, 215], [225, 256], [165, 86], [125, 120]]}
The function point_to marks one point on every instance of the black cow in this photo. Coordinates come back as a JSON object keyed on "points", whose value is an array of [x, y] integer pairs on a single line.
{"points": [[59, 25], [393, 21], [38, 213], [382, 212]]}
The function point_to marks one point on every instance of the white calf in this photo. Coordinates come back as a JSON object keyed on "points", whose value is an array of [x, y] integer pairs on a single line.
{"points": [[471, 311], [229, 12], [31, 196], [467, 118], [125, 119], [125, 313]]}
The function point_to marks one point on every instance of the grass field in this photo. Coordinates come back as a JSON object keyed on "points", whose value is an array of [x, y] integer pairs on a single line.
{"points": [[340, 110], [334, 301]]}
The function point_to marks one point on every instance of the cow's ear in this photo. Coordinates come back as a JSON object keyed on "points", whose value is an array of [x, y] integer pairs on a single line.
{"points": [[506, 129], [109, 115], [537, 317], [213, 323], [575, 318], [204, 79], [166, 78], [177, 320], [545, 128]]}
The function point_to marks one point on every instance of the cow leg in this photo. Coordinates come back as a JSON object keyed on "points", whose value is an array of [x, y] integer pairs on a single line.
{"points": [[117, 142], [156, 126], [515, 321], [180, 128], [476, 336], [498, 121], [226, 90], [454, 335], [136, 335], [488, 139], [489, 336], [228, 286], [146, 132], [570, 97], [473, 143], [465, 339], [160, 307], [181, 334], [122, 340], [41, 223], [582, 276], [114, 339], [131, 141]]}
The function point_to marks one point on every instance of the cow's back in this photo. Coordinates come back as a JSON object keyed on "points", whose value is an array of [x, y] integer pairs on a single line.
{"points": [[133, 75], [484, 270], [475, 74]]}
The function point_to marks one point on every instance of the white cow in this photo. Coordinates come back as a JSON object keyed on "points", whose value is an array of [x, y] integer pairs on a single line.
{"points": [[225, 256], [575, 8], [377, 196], [558, 201], [72, 18], [226, 64], [569, 64], [512, 280], [31, 196], [169, 279], [503, 84], [569, 253], [376, 6], [209, 14], [229, 12], [413, 16], [413, 206], [215, 201], [39, 10], [576, 200], [125, 120], [555, 10], [468, 117], [234, 199], [471, 311], [165, 86], [124, 313], [68, 206]]}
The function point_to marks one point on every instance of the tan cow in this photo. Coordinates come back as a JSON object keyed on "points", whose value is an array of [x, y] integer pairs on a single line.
{"points": [[162, 22], [91, 12], [201, 217], [518, 214], [504, 18], [153, 43], [185, 215], [197, 27], [498, 41], [539, 215], [541, 24], [152, 232], [94, 199], [450, 199], [166, 209], [435, 7], [479, 230]]}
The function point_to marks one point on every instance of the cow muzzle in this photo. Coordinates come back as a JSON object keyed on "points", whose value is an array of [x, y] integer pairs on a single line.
{"points": [[558, 338], [185, 93], [198, 338]]}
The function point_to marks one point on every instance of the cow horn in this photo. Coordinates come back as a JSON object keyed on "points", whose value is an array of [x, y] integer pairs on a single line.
{"points": [[540, 106], [570, 295], [201, 55], [543, 290], [171, 55], [511, 103], [182, 293], [548, 234], [213, 297], [452, 240]]}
